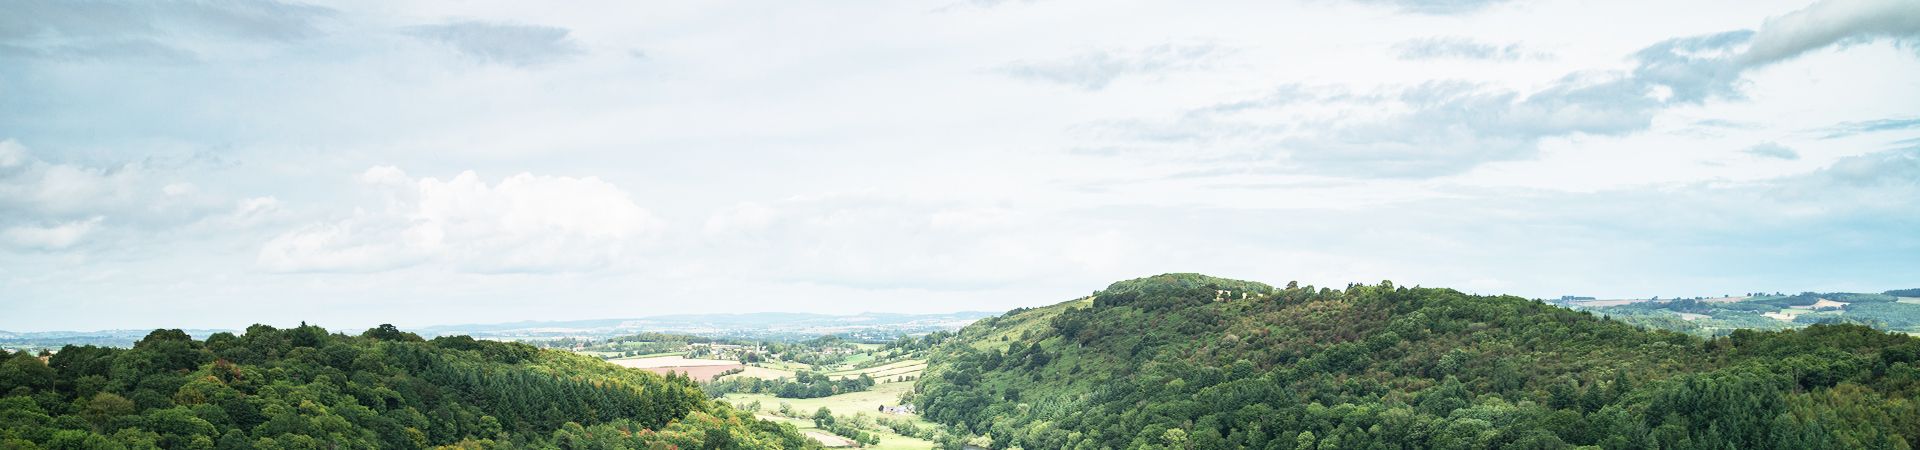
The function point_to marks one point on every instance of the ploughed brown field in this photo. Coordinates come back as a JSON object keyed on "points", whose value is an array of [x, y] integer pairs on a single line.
{"points": [[700, 370], [697, 373]]}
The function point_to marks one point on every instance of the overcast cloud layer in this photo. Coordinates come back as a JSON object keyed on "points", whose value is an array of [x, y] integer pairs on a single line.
{"points": [[216, 164]]}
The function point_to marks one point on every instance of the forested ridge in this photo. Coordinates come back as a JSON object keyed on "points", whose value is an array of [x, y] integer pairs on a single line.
{"points": [[1189, 361], [305, 388]]}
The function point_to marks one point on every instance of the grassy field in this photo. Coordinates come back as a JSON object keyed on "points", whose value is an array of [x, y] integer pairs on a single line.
{"points": [[856, 359], [881, 374], [867, 402], [848, 403], [1788, 314], [763, 373], [912, 370], [905, 367], [789, 366], [1910, 300], [888, 440], [1002, 336]]}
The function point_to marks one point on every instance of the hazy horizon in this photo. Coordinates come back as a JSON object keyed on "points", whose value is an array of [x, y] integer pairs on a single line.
{"points": [[355, 326], [355, 163]]}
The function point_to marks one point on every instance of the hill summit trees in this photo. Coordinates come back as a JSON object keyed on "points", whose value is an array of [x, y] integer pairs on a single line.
{"points": [[303, 388], [1158, 363]]}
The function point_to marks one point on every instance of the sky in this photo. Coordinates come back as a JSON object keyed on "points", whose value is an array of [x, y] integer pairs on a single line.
{"points": [[214, 164]]}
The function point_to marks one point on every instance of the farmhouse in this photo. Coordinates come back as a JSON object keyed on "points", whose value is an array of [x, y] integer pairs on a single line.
{"points": [[899, 409]]}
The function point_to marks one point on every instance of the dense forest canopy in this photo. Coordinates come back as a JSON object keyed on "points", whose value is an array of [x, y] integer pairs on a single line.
{"points": [[1188, 361], [304, 388]]}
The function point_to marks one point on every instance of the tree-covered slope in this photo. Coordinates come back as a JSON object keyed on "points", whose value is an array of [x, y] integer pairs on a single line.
{"points": [[1184, 361], [303, 388]]}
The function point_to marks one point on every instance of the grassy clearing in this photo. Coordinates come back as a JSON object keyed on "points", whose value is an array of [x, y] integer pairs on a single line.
{"points": [[888, 440], [845, 405], [856, 359], [848, 403], [883, 373], [1909, 300], [913, 370], [1788, 314], [1032, 320], [895, 368]]}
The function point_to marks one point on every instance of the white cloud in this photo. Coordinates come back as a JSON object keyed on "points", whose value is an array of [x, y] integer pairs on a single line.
{"points": [[1438, 7], [503, 43], [1454, 47], [967, 120], [1094, 70], [523, 223], [747, 217], [1444, 127], [972, 218], [12, 154], [51, 237], [51, 205], [882, 242], [1772, 150], [1830, 22], [132, 30]]}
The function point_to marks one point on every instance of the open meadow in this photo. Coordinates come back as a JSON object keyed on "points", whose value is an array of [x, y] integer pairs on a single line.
{"points": [[885, 392]]}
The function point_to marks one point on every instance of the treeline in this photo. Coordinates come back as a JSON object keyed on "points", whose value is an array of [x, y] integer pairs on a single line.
{"points": [[303, 388], [824, 419], [804, 384], [918, 344], [1166, 362], [820, 351], [652, 343]]}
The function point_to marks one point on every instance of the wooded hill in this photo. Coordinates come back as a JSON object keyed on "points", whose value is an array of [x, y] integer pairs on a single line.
{"points": [[1189, 361], [304, 388]]}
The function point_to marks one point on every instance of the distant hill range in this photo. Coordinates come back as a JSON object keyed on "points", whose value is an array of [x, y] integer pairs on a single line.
{"points": [[1895, 310], [108, 338], [768, 325]]}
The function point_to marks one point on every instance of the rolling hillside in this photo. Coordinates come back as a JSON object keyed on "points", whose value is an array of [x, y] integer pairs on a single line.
{"points": [[304, 388], [1888, 311], [1189, 361]]}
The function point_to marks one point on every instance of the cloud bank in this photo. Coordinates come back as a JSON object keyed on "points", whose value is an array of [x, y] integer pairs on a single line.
{"points": [[523, 223], [1463, 48], [1437, 7], [114, 29], [1442, 128], [240, 161], [1094, 70], [503, 43]]}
